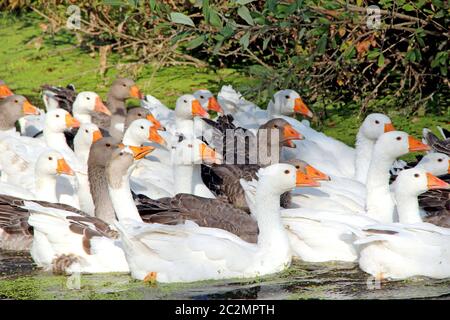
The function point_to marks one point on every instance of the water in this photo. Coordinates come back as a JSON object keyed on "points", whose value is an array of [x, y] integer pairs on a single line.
{"points": [[20, 279]]}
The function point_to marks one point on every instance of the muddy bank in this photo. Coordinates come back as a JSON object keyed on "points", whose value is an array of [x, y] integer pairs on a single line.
{"points": [[20, 279]]}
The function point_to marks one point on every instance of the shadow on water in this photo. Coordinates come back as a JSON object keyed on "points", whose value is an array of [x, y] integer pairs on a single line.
{"points": [[19, 279]]}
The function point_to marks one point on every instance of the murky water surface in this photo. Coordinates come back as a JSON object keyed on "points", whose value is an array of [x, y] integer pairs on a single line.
{"points": [[20, 279]]}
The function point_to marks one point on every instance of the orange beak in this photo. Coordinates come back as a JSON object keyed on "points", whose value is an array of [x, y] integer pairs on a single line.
{"points": [[302, 108], [28, 108], [63, 168], [71, 122], [154, 136], [136, 93], [156, 124], [303, 180], [416, 145], [290, 133], [5, 91], [448, 167], [214, 105], [97, 135], [436, 183], [100, 107], [140, 152], [197, 109], [388, 127], [208, 154], [316, 174]]}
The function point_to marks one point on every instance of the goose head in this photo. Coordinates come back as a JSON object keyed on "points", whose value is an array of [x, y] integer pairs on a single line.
{"points": [[124, 88], [14, 107], [194, 151], [187, 107], [59, 120], [288, 102], [375, 124], [307, 169], [208, 101], [88, 102], [88, 134], [286, 132], [394, 144], [142, 113], [52, 163], [283, 177], [416, 181], [436, 163], [122, 162], [101, 151], [141, 131], [5, 91]]}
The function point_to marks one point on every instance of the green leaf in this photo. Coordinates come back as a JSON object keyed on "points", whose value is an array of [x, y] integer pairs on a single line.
{"points": [[195, 42], [245, 14], [408, 7], [244, 2], [245, 40], [444, 71], [227, 31], [381, 60], [214, 19], [217, 47], [266, 43], [373, 54], [322, 44], [180, 18]]}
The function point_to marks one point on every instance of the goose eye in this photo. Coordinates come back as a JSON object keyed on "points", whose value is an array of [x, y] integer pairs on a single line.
{"points": [[142, 127], [416, 175], [124, 85], [87, 131], [440, 160], [87, 98], [139, 114], [50, 158], [190, 145], [377, 122], [297, 167], [185, 101], [275, 126], [201, 97], [57, 115], [121, 154], [287, 97], [108, 145], [286, 171], [399, 138], [16, 101]]}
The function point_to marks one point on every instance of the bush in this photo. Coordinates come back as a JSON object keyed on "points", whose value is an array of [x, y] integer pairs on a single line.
{"points": [[324, 49]]}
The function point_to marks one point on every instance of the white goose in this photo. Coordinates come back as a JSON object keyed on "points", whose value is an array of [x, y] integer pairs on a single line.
{"points": [[409, 248], [323, 235], [188, 252]]}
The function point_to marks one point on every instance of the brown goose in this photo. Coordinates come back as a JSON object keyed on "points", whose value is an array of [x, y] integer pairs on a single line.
{"points": [[121, 90], [12, 108], [141, 113]]}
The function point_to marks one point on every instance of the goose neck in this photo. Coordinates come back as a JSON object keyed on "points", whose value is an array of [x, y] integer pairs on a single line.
{"points": [[103, 207], [183, 178], [407, 207], [55, 140], [46, 187], [364, 150]]}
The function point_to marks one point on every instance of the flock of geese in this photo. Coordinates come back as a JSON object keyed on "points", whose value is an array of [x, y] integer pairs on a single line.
{"points": [[92, 187]]}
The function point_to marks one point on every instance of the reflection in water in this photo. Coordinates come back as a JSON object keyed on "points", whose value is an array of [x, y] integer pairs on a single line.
{"points": [[19, 279]]}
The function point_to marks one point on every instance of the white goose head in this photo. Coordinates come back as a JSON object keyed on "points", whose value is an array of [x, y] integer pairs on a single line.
{"points": [[416, 181], [59, 120], [207, 100], [436, 163], [86, 136], [194, 151], [375, 124], [288, 102], [52, 163], [141, 131], [88, 102], [188, 107], [394, 144]]}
